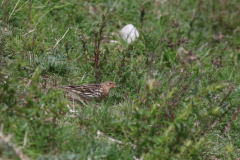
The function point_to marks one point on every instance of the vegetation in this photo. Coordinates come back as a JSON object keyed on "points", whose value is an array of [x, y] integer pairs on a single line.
{"points": [[178, 83]]}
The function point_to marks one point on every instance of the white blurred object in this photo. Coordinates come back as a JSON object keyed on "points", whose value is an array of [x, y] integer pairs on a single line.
{"points": [[129, 33], [92, 10]]}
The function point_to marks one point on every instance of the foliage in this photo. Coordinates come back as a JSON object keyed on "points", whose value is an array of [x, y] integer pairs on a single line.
{"points": [[178, 83]]}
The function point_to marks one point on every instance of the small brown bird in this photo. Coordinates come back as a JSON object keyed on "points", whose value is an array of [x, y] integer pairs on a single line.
{"points": [[92, 91]]}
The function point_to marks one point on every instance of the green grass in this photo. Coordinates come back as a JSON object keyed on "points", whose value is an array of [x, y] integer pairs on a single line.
{"points": [[178, 83]]}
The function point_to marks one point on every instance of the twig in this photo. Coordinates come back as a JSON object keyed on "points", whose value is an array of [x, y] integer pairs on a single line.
{"points": [[61, 38], [159, 41], [97, 55], [67, 50], [218, 135], [6, 139], [14, 148], [172, 116], [84, 48], [72, 110], [13, 9], [154, 50], [36, 24], [77, 58], [98, 38], [40, 17], [99, 133], [141, 17], [22, 6], [120, 69], [228, 126], [141, 158], [235, 115], [30, 81], [113, 5], [25, 138], [83, 76]]}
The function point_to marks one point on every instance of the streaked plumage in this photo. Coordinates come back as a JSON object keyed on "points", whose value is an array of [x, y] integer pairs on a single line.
{"points": [[91, 91]]}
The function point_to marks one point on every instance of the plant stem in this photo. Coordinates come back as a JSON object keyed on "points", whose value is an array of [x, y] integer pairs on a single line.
{"points": [[3, 33], [28, 26], [97, 54], [98, 38], [84, 48]]}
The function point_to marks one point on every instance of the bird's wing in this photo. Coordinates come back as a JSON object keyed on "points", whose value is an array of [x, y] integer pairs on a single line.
{"points": [[87, 91]]}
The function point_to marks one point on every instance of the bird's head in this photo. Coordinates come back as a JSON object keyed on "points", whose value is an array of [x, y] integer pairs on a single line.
{"points": [[109, 85]]}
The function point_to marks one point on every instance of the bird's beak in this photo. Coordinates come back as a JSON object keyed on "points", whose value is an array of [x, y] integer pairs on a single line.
{"points": [[115, 86]]}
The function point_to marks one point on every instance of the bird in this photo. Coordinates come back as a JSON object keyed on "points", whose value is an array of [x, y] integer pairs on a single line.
{"points": [[90, 92]]}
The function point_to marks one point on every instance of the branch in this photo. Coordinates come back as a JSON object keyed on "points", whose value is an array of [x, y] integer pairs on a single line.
{"points": [[61, 38]]}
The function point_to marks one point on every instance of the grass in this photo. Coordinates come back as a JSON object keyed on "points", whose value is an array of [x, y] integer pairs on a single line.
{"points": [[178, 83]]}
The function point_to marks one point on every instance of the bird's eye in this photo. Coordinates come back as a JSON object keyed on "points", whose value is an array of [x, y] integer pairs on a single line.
{"points": [[110, 83]]}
